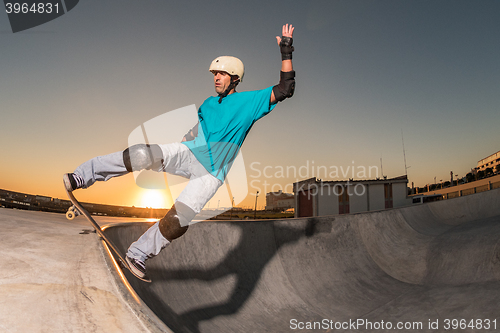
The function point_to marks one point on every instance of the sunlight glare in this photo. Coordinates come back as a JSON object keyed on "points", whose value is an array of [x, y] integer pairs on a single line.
{"points": [[153, 199]]}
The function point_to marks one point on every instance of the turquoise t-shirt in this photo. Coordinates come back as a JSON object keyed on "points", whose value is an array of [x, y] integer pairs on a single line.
{"points": [[223, 128]]}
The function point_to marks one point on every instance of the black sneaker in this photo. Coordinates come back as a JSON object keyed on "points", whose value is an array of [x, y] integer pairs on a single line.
{"points": [[72, 181], [137, 267]]}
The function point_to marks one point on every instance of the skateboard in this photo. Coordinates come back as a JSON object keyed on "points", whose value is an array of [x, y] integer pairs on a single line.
{"points": [[77, 207]]}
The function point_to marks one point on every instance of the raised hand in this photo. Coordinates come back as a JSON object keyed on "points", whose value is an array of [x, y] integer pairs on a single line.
{"points": [[286, 31]]}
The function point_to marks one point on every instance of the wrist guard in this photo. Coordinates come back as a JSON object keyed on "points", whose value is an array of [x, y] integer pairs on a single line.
{"points": [[192, 134], [286, 87], [286, 48]]}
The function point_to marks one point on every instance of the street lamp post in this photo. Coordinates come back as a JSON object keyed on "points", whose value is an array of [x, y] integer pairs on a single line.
{"points": [[232, 207], [255, 209]]}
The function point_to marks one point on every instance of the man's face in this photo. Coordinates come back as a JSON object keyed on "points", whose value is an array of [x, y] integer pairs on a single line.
{"points": [[222, 80]]}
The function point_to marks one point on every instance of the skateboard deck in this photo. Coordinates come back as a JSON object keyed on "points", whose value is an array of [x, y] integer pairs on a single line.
{"points": [[99, 231]]}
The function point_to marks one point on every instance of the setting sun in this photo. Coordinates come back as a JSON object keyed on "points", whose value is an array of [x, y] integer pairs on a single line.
{"points": [[153, 199]]}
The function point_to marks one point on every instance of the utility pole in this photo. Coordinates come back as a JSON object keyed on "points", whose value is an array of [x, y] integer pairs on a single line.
{"points": [[404, 153], [381, 168]]}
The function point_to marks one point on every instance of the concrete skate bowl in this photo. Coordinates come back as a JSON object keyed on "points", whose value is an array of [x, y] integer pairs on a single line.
{"points": [[420, 264]]}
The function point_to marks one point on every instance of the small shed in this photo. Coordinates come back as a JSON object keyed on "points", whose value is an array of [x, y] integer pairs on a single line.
{"points": [[315, 197]]}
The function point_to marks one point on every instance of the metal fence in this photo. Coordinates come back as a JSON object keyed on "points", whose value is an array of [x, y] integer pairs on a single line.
{"points": [[472, 190]]}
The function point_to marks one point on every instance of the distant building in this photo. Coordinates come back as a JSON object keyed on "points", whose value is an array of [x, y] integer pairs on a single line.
{"points": [[279, 200], [315, 197], [489, 162], [44, 199]]}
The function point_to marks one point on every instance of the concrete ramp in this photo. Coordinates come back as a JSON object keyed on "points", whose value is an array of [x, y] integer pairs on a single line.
{"points": [[400, 270]]}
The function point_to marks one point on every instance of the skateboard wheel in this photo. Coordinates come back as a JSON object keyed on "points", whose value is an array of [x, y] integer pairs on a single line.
{"points": [[70, 215], [75, 211]]}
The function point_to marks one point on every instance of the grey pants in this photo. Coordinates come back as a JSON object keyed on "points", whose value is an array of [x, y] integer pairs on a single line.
{"points": [[177, 160]]}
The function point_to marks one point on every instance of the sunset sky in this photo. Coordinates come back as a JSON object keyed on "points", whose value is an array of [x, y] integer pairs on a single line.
{"points": [[368, 73]]}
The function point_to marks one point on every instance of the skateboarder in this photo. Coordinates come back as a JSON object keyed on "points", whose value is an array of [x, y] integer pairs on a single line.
{"points": [[204, 155]]}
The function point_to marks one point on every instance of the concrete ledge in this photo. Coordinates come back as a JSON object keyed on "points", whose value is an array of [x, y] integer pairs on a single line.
{"points": [[148, 317]]}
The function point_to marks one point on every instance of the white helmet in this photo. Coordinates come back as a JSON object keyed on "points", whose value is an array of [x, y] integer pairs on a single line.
{"points": [[228, 64]]}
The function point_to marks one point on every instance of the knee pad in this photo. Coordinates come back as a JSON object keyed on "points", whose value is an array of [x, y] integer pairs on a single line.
{"points": [[142, 156], [176, 222]]}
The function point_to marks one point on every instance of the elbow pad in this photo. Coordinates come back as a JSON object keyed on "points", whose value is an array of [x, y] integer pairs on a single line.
{"points": [[286, 87]]}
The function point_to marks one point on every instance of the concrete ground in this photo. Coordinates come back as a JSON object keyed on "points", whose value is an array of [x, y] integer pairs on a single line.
{"points": [[54, 278]]}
